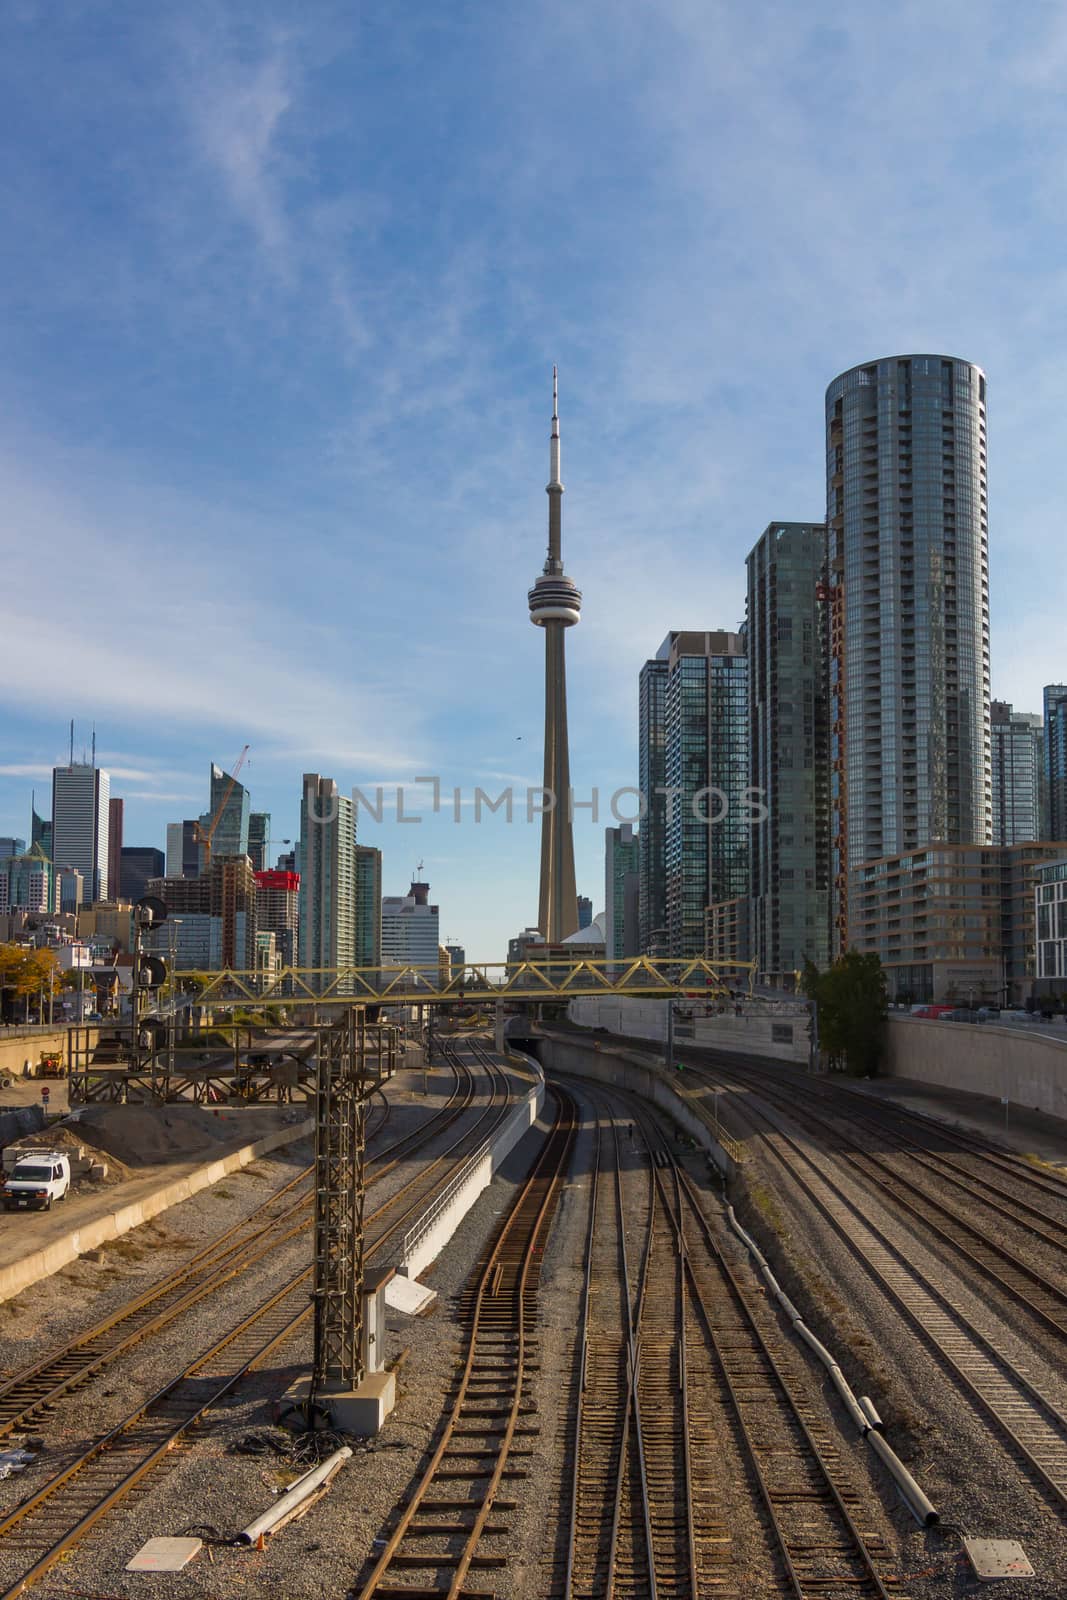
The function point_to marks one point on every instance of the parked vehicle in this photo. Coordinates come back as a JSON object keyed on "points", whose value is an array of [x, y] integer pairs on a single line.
{"points": [[36, 1180]]}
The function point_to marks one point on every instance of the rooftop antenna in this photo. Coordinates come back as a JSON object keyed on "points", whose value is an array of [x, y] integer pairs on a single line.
{"points": [[72, 741], [94, 744]]}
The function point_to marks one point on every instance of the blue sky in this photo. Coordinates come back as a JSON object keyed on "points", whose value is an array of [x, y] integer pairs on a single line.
{"points": [[282, 288]]}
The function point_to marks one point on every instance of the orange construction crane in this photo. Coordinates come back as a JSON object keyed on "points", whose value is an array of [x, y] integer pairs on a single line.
{"points": [[205, 839]]}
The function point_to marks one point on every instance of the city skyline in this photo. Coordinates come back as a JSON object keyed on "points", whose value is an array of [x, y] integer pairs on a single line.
{"points": [[311, 384]]}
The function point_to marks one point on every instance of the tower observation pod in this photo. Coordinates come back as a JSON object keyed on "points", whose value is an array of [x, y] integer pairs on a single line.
{"points": [[556, 604]]}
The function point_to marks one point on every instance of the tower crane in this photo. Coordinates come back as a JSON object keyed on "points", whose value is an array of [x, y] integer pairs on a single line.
{"points": [[204, 839]]}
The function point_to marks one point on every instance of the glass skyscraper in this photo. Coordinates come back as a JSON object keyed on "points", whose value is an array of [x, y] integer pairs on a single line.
{"points": [[1018, 775], [909, 611], [706, 822], [652, 779], [1055, 760], [789, 860]]}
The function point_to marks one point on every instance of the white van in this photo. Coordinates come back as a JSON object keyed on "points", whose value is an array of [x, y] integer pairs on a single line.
{"points": [[37, 1178]]}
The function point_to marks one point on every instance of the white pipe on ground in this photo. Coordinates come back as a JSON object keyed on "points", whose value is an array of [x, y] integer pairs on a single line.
{"points": [[291, 1502]]}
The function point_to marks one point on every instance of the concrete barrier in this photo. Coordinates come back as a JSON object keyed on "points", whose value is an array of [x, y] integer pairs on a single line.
{"points": [[981, 1058], [754, 1032], [424, 1241], [41, 1263], [690, 1105], [19, 1045]]}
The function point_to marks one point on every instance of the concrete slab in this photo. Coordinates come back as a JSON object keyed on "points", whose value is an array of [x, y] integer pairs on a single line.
{"points": [[362, 1410], [409, 1296], [165, 1555], [996, 1559]]}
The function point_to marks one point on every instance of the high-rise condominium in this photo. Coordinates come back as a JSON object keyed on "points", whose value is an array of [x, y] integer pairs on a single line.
{"points": [[368, 906], [231, 830], [1055, 760], [909, 611], [789, 854], [652, 780], [327, 867], [259, 839], [621, 890], [80, 816], [705, 760], [1018, 775]]}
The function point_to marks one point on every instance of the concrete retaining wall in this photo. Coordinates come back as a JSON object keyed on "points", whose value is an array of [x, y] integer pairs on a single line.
{"points": [[19, 1045], [42, 1263], [690, 1105], [757, 1035], [981, 1059], [424, 1242]]}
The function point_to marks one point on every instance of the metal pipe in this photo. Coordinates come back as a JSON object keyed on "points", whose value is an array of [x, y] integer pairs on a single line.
{"points": [[920, 1507], [283, 1510]]}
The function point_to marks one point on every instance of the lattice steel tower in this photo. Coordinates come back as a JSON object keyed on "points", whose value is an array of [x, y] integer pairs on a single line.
{"points": [[555, 605]]}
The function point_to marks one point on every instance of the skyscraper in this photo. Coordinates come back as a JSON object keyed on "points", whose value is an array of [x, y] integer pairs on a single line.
{"points": [[327, 867], [114, 847], [411, 932], [1018, 775], [80, 796], [585, 911], [909, 611], [555, 605], [231, 832], [137, 864], [706, 825], [258, 839], [1055, 763], [184, 853], [621, 897], [40, 830], [652, 780], [789, 742], [368, 906]]}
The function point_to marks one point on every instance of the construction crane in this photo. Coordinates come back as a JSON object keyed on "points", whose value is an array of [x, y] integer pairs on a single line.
{"points": [[204, 839]]}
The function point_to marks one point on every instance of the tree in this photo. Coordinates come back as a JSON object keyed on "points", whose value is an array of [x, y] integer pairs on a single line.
{"points": [[852, 1002]]}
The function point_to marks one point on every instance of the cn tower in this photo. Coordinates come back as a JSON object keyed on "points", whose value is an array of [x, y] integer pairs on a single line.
{"points": [[555, 605]]}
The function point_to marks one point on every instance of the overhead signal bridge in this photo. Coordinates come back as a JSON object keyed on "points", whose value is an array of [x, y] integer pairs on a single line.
{"points": [[558, 977]]}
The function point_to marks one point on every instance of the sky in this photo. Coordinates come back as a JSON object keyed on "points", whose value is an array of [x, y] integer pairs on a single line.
{"points": [[280, 295]]}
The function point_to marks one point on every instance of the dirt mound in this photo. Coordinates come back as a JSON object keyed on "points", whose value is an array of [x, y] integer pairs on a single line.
{"points": [[148, 1136], [70, 1136]]}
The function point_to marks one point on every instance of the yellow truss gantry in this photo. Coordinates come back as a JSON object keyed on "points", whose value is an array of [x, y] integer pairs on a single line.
{"points": [[479, 983]]}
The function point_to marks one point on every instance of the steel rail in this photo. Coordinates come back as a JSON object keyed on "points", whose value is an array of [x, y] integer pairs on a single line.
{"points": [[159, 1435], [498, 1333], [36, 1387], [1034, 1424]]}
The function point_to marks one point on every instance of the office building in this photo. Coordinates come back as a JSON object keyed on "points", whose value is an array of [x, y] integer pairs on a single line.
{"points": [[40, 830], [621, 891], [231, 806], [524, 946], [138, 863], [585, 911], [185, 856], [555, 605], [457, 959], [10, 846], [652, 782], [410, 931], [1055, 762], [27, 882], [706, 825], [909, 613], [259, 839], [278, 912], [115, 810], [368, 906], [109, 925], [327, 867], [1018, 764], [81, 795], [789, 744], [70, 890]]}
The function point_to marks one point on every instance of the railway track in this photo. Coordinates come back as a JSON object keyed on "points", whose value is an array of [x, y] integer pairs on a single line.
{"points": [[27, 1396], [967, 1344], [456, 1503], [706, 1356], [60, 1512], [999, 1255]]}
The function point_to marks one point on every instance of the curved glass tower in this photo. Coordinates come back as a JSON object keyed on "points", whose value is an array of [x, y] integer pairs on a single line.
{"points": [[908, 611]]}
